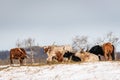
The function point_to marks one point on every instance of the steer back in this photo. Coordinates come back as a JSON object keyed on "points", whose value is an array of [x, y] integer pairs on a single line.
{"points": [[86, 56]]}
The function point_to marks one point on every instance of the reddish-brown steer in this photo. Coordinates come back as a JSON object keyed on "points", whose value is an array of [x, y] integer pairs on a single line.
{"points": [[17, 53], [108, 49]]}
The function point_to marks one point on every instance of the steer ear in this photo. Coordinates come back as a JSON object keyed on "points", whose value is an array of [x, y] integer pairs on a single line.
{"points": [[82, 50]]}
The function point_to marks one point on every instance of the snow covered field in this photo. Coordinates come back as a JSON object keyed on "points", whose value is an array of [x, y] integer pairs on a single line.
{"points": [[78, 71]]}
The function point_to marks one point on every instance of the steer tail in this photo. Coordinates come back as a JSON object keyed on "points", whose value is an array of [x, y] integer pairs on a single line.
{"points": [[113, 53]]}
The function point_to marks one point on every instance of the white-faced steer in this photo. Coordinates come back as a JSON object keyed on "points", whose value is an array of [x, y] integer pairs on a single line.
{"points": [[55, 53]]}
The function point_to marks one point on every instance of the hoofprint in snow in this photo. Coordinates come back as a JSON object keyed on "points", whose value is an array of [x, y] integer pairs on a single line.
{"points": [[78, 71]]}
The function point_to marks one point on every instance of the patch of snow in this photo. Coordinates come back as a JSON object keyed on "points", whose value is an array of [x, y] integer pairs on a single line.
{"points": [[78, 71]]}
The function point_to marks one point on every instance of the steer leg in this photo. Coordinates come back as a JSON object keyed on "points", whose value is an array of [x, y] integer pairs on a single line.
{"points": [[106, 56], [11, 58], [21, 62], [11, 61], [110, 57], [99, 56]]}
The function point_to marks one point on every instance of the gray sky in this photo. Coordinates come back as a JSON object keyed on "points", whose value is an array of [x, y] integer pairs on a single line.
{"points": [[49, 21]]}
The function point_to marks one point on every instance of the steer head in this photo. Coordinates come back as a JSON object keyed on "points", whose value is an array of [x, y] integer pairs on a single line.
{"points": [[47, 49]]}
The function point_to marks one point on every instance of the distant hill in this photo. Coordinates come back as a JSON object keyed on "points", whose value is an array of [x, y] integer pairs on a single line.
{"points": [[4, 55]]}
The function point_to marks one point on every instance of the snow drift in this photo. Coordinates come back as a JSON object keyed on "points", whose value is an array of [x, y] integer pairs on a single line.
{"points": [[109, 70]]}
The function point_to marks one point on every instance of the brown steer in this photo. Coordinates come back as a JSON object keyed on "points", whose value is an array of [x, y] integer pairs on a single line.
{"points": [[108, 49], [17, 53]]}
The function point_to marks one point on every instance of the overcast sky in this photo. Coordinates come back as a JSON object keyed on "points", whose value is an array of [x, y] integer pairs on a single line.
{"points": [[59, 21]]}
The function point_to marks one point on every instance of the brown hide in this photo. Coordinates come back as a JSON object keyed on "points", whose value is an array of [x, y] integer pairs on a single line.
{"points": [[59, 56], [17, 53], [108, 49]]}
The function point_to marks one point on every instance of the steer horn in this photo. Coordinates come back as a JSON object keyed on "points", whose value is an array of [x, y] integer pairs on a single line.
{"points": [[27, 56]]}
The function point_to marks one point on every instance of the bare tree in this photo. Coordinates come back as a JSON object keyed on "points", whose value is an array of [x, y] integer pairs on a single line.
{"points": [[29, 43], [109, 37], [18, 43], [112, 38], [80, 43]]}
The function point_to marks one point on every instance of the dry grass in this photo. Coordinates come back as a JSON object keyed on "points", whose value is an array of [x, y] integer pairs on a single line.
{"points": [[50, 64], [4, 68]]}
